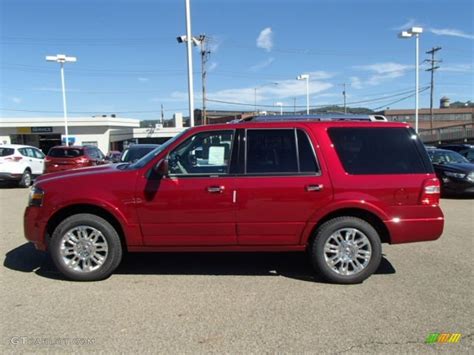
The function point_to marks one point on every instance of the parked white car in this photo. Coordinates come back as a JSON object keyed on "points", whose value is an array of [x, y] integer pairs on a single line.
{"points": [[20, 163]]}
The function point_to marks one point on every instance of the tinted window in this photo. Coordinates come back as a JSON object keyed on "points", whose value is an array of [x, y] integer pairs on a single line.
{"points": [[306, 154], [378, 150], [65, 153], [204, 153], [271, 151], [6, 151]]}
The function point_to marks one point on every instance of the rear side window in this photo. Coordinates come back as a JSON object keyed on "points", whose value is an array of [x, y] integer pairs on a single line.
{"points": [[378, 150], [65, 153], [285, 151], [4, 152], [271, 151]]}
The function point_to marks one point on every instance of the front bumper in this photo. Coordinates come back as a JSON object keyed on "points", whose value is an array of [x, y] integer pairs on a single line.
{"points": [[34, 229]]}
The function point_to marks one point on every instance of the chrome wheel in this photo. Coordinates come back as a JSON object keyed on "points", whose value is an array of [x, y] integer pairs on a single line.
{"points": [[347, 251], [83, 249], [27, 179]]}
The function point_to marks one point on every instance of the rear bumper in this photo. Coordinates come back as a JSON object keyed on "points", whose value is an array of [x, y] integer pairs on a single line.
{"points": [[10, 177], [428, 224], [34, 229]]}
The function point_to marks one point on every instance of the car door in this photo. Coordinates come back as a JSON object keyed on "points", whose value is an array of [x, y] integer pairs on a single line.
{"points": [[282, 185], [38, 161], [193, 205], [30, 159]]}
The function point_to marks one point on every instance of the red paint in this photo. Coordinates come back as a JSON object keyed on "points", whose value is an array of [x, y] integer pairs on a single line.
{"points": [[250, 213]]}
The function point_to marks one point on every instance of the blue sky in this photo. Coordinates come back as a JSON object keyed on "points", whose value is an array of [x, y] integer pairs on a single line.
{"points": [[130, 63]]}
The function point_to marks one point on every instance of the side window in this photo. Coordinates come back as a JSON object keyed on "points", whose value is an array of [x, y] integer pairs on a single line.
{"points": [[38, 154], [306, 154], [205, 153], [379, 151], [271, 151], [23, 152]]}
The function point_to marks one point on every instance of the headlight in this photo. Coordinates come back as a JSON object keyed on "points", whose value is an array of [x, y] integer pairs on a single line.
{"points": [[36, 196], [470, 176], [456, 175]]}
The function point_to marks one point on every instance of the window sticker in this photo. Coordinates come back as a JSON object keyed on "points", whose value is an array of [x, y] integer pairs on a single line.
{"points": [[216, 156]]}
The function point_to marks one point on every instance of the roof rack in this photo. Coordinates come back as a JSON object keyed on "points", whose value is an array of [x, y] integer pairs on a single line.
{"points": [[322, 118]]}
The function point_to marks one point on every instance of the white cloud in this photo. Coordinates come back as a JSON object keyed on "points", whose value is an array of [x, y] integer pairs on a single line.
{"points": [[15, 99], [410, 23], [143, 80], [212, 66], [265, 39], [356, 83], [451, 32], [262, 64], [458, 68], [381, 72], [283, 90]]}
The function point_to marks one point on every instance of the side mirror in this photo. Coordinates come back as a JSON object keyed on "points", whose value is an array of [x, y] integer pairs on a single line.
{"points": [[161, 168]]}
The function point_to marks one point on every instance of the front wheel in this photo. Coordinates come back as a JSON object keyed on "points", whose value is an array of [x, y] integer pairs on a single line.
{"points": [[85, 247], [346, 250]]}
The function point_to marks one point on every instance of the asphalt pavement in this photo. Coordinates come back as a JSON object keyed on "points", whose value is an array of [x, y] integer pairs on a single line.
{"points": [[239, 302]]}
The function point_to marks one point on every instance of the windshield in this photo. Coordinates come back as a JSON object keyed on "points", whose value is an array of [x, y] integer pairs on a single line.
{"points": [[446, 157], [134, 153], [150, 156], [65, 152]]}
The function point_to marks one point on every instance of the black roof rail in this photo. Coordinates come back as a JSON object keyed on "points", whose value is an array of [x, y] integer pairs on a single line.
{"points": [[320, 118]]}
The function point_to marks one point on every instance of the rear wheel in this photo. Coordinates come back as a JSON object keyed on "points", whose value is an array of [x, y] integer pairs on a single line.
{"points": [[25, 179], [85, 247], [346, 250]]}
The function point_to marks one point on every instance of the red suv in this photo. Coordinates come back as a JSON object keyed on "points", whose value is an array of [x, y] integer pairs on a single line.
{"points": [[335, 189], [64, 158]]}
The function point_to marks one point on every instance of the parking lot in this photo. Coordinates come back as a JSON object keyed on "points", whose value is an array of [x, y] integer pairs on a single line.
{"points": [[239, 303]]}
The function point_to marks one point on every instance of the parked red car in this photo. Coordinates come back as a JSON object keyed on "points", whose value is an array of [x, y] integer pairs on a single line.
{"points": [[61, 158], [335, 189]]}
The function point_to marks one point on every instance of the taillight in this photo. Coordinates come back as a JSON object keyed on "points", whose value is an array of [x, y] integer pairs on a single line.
{"points": [[15, 159], [430, 192], [82, 160]]}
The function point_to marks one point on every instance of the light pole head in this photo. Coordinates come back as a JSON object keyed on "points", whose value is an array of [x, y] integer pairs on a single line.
{"points": [[60, 58], [416, 30], [405, 34], [303, 77]]}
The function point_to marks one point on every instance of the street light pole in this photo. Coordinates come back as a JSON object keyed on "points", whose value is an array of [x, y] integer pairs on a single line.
{"points": [[190, 64], [305, 77], [61, 59], [415, 32]]}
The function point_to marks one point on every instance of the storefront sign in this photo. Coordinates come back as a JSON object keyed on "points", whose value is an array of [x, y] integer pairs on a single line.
{"points": [[41, 129]]}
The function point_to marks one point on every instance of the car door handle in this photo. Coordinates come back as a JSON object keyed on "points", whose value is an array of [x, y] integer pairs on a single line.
{"points": [[311, 188], [215, 189]]}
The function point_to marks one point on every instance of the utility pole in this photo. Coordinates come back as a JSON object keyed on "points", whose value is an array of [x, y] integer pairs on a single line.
{"points": [[294, 105], [434, 67], [344, 94], [162, 115], [204, 57]]}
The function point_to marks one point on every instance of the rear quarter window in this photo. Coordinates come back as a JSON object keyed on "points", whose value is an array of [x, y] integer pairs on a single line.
{"points": [[379, 150], [4, 152]]}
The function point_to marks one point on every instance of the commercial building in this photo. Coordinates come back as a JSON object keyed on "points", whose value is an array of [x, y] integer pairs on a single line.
{"points": [[47, 132]]}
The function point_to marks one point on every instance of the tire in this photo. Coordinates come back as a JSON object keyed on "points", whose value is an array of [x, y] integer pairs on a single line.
{"points": [[85, 247], [338, 259], [26, 179]]}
